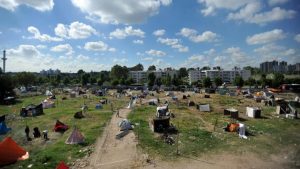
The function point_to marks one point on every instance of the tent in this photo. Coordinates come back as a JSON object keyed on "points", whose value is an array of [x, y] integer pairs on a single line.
{"points": [[75, 138], [232, 112], [32, 110], [11, 152], [253, 112], [162, 111], [62, 165], [48, 103], [204, 107], [60, 127], [153, 102], [3, 128], [78, 115], [98, 106], [125, 125], [48, 93], [191, 103]]}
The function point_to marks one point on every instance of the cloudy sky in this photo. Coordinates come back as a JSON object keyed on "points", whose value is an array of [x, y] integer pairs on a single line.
{"points": [[97, 34]]}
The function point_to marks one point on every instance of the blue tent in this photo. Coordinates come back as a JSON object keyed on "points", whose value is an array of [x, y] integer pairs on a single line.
{"points": [[3, 128]]}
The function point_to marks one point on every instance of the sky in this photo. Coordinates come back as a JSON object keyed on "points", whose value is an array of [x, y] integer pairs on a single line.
{"points": [[95, 35]]}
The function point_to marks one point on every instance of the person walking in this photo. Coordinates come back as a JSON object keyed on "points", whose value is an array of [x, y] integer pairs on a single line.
{"points": [[118, 113]]}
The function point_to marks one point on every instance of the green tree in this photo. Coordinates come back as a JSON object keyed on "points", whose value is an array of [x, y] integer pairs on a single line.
{"points": [[182, 72], [138, 67], [151, 68], [119, 72], [167, 81], [25, 78], [278, 79], [151, 79], [251, 82], [80, 72], [158, 81], [175, 80], [115, 82], [85, 79], [218, 81], [205, 68], [6, 86], [66, 81], [238, 81], [206, 82], [129, 81]]}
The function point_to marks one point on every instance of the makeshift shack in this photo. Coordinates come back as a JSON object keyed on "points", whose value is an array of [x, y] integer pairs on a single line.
{"points": [[191, 103], [184, 97], [32, 110], [232, 112], [48, 103], [162, 111], [253, 112], [203, 107], [11, 152], [160, 124], [153, 102], [75, 138], [48, 93]]}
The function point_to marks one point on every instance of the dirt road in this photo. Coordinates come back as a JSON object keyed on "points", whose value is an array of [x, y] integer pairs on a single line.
{"points": [[112, 153]]}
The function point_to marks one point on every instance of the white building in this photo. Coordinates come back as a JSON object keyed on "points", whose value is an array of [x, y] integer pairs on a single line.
{"points": [[141, 76], [225, 75]]}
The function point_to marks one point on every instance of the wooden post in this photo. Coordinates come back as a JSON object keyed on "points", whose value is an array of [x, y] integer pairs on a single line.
{"points": [[177, 142]]}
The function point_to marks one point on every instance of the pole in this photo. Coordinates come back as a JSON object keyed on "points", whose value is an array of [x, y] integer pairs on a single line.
{"points": [[177, 142]]}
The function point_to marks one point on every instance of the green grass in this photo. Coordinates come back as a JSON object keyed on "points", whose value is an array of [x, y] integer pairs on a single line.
{"points": [[197, 136], [49, 154]]}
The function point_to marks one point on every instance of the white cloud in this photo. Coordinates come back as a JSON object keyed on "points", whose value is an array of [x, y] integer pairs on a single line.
{"points": [[98, 46], [147, 59], [272, 50], [174, 43], [159, 32], [67, 48], [212, 5], [266, 37], [153, 52], [297, 38], [138, 41], [192, 35], [120, 61], [276, 2], [114, 11], [82, 57], [236, 54], [250, 14], [41, 46], [127, 31], [76, 30], [42, 37], [40, 5]]}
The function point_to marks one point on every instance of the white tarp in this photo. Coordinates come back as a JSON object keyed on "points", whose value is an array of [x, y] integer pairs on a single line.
{"points": [[48, 104], [253, 112], [242, 131], [204, 107], [125, 125], [48, 93], [131, 103]]}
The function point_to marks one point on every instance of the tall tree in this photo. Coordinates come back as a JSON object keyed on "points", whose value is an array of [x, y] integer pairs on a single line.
{"points": [[278, 79], [238, 81], [85, 79], [206, 82], [151, 68], [138, 67], [218, 81], [6, 86], [182, 72], [25, 78], [151, 79], [119, 72], [205, 68]]}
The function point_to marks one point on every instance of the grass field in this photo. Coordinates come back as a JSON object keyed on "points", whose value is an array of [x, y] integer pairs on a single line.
{"points": [[201, 133], [49, 154]]}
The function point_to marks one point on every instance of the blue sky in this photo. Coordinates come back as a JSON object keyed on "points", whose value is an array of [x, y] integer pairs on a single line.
{"points": [[95, 35]]}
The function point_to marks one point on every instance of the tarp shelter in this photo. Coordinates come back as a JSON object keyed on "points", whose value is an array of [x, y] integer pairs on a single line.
{"points": [[60, 127], [253, 112], [191, 103], [3, 128], [62, 165], [131, 103], [11, 152], [73, 94], [294, 108], [78, 115], [125, 125], [204, 107], [162, 111], [75, 138], [242, 131], [48, 103], [48, 93], [232, 112], [153, 102], [32, 110], [184, 97], [160, 124], [98, 106]]}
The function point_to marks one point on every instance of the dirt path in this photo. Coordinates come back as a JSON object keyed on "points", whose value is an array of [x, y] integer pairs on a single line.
{"points": [[111, 153]]}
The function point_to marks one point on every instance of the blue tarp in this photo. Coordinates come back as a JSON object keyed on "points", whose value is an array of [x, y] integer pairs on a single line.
{"points": [[3, 128]]}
